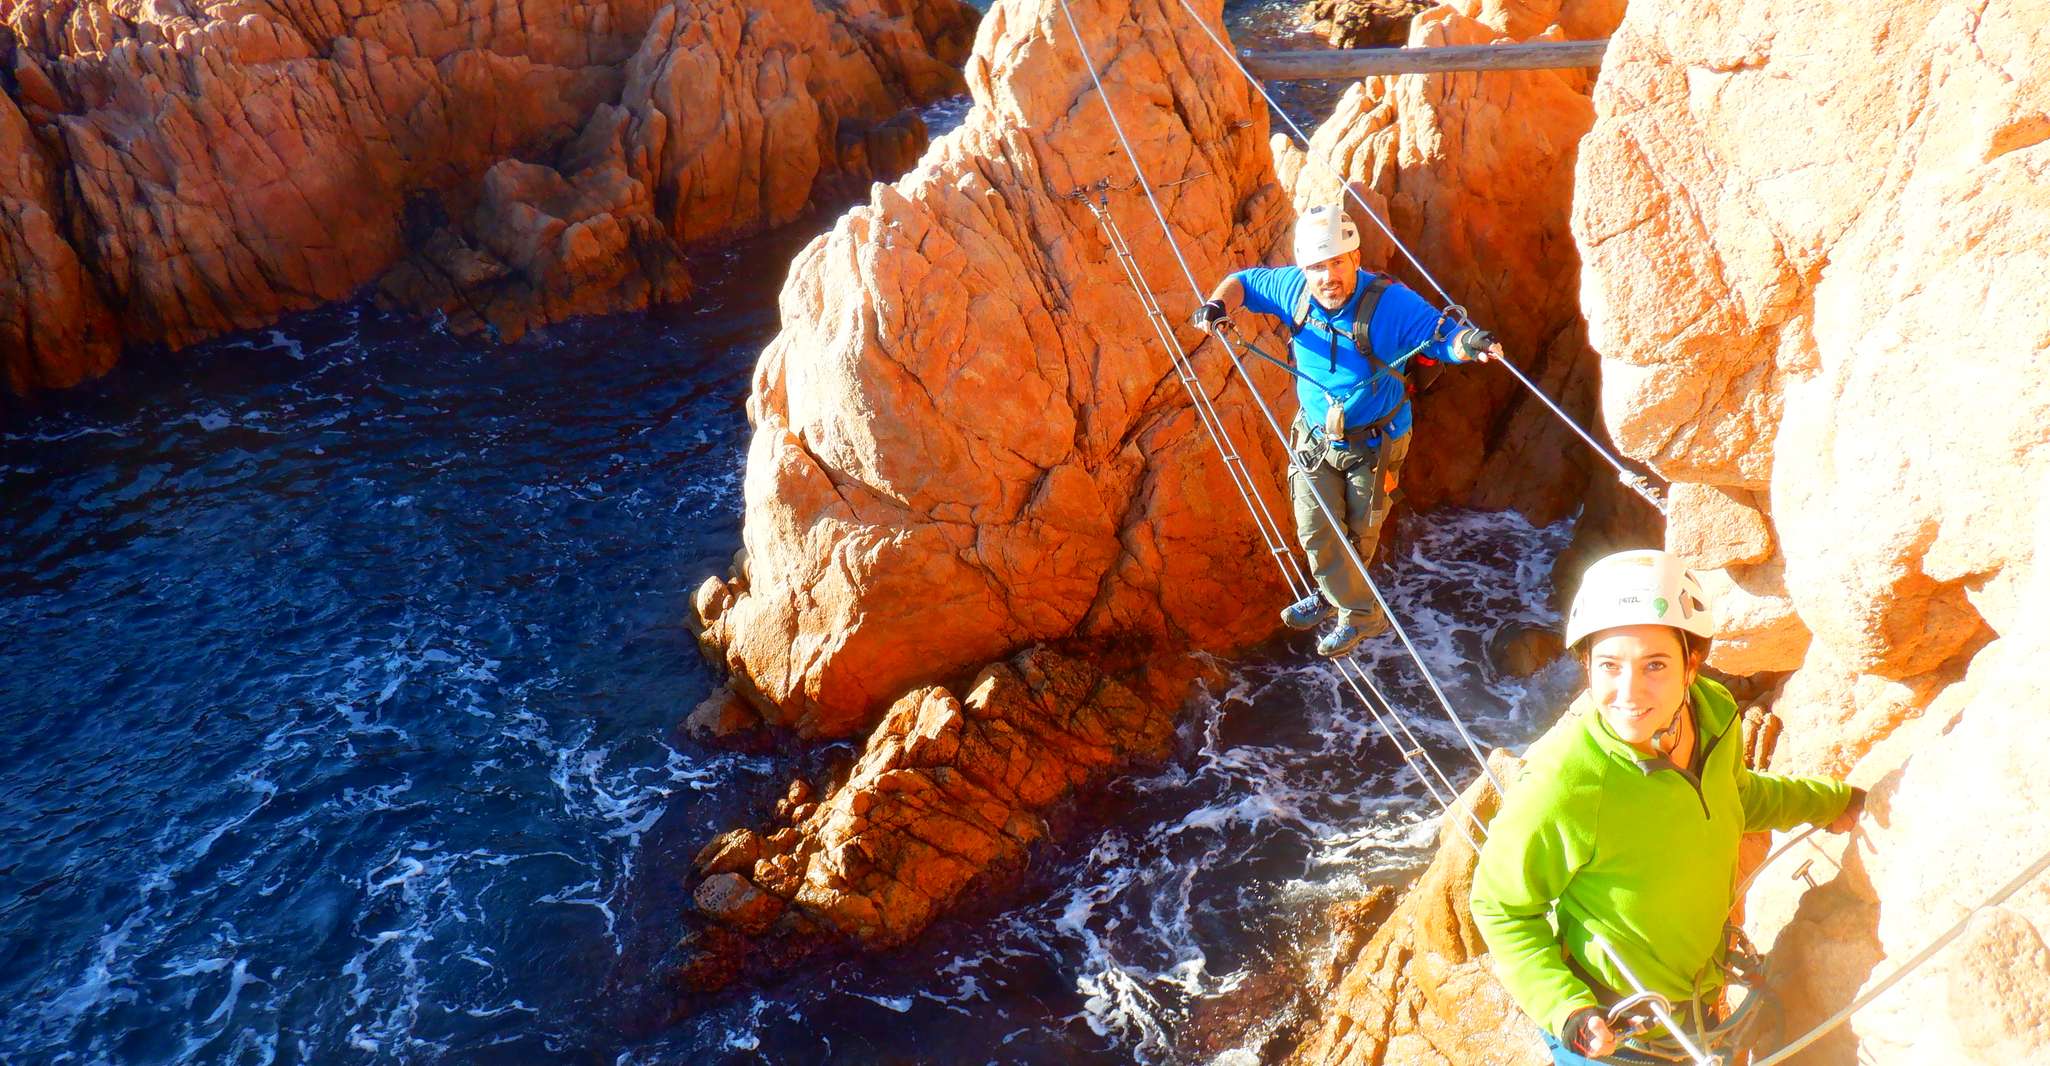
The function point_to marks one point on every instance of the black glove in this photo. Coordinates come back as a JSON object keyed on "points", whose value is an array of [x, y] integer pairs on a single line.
{"points": [[1476, 340], [1208, 315]]}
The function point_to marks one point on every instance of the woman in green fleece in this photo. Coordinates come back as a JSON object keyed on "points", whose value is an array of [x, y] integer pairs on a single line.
{"points": [[1625, 821]]}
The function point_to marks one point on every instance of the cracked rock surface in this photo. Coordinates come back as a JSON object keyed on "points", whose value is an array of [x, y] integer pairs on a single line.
{"points": [[948, 793], [176, 170], [966, 439], [1812, 242]]}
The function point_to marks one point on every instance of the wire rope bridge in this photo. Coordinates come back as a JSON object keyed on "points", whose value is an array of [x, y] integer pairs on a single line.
{"points": [[1649, 1011]]}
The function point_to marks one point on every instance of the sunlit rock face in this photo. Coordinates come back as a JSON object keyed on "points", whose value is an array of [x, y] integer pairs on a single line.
{"points": [[178, 170], [967, 439], [1814, 242], [1811, 244]]}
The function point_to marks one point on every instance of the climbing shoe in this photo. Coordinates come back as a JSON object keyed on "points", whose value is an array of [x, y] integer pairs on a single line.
{"points": [[1307, 613], [1342, 638]]}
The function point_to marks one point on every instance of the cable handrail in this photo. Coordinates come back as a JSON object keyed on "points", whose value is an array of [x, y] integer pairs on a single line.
{"points": [[1928, 952], [1119, 129], [1632, 480], [1266, 410], [1409, 747]]}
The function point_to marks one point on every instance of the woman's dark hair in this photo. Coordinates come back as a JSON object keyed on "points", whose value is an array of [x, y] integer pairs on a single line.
{"points": [[1693, 647]]}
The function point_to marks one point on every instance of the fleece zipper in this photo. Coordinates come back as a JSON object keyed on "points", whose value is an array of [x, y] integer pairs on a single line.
{"points": [[1648, 767]]}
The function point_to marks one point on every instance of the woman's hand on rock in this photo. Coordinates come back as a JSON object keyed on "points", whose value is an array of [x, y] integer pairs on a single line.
{"points": [[1843, 823]]}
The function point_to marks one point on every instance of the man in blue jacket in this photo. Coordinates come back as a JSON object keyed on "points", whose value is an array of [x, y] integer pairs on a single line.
{"points": [[1357, 336]]}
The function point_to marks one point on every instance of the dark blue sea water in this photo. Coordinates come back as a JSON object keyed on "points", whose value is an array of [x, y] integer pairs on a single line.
{"points": [[339, 691], [340, 671]]}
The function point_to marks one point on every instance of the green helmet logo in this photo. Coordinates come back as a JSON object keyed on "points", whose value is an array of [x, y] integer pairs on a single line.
{"points": [[1658, 606]]}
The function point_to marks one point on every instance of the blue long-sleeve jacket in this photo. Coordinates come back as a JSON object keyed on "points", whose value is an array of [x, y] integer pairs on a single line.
{"points": [[1402, 321]]}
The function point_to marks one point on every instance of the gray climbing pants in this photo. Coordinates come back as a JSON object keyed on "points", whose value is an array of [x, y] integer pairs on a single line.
{"points": [[1355, 484]]}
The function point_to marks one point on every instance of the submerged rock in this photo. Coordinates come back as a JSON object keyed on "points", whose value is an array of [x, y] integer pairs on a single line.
{"points": [[1362, 23], [736, 901], [1520, 651]]}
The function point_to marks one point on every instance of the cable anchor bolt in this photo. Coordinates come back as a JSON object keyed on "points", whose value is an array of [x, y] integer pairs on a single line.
{"points": [[1642, 486]]}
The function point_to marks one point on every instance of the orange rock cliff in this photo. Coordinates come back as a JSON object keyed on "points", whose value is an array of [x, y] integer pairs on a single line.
{"points": [[1809, 243], [170, 171], [967, 448], [971, 455], [1804, 251], [1790, 260]]}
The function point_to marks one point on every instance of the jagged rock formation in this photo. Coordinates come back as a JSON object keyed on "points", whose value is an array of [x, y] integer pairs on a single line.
{"points": [[948, 794], [1362, 23], [1413, 992], [1810, 246], [730, 117], [966, 444], [177, 170], [965, 440], [1475, 173]]}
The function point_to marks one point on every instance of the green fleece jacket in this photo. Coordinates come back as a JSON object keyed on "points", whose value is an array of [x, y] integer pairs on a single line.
{"points": [[1593, 838]]}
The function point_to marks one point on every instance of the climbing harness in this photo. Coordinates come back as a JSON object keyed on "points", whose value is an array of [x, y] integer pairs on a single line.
{"points": [[1655, 1004], [1160, 323], [1368, 301], [1352, 553], [1643, 1028], [1636, 482], [1640, 1029], [1335, 431], [1413, 753]]}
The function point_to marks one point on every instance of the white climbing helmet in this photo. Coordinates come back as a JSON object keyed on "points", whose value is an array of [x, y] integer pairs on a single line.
{"points": [[1322, 232], [1641, 587]]}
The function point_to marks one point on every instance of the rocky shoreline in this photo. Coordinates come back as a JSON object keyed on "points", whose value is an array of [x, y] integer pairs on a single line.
{"points": [[1535, 197], [1789, 264], [173, 172]]}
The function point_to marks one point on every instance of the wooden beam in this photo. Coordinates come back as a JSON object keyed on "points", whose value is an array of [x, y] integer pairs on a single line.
{"points": [[1348, 63]]}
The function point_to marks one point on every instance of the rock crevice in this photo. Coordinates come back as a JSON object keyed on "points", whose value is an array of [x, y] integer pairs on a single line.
{"points": [[178, 172]]}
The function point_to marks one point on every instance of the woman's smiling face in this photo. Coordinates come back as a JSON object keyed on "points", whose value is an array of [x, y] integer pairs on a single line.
{"points": [[1638, 676]]}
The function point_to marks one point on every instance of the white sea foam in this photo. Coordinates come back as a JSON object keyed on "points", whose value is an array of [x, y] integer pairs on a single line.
{"points": [[1285, 797]]}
